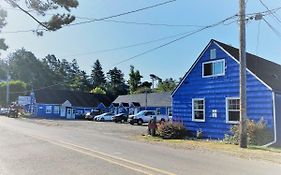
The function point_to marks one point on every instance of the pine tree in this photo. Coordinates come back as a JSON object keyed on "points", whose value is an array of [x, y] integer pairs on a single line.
{"points": [[116, 82], [98, 75], [134, 80]]}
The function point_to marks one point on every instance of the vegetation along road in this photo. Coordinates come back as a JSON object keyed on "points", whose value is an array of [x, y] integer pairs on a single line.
{"points": [[43, 147]]}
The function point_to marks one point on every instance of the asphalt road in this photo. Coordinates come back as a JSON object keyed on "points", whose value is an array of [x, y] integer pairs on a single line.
{"points": [[33, 147]]}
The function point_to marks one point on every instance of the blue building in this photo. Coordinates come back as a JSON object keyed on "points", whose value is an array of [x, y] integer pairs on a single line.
{"points": [[207, 98], [67, 104], [132, 104]]}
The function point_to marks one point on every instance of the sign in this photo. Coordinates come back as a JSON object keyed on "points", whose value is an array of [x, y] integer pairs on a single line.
{"points": [[24, 100]]}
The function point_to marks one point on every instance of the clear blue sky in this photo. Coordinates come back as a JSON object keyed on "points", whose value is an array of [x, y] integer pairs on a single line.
{"points": [[171, 61]]}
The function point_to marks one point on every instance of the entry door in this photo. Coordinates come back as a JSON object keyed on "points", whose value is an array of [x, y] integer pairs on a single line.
{"points": [[68, 113]]}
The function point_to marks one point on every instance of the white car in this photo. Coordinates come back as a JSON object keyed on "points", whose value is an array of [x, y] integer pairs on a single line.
{"points": [[4, 111], [104, 117], [145, 116]]}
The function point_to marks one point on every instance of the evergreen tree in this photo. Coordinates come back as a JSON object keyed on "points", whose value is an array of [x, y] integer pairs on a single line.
{"points": [[98, 75], [116, 82], [134, 79], [167, 85], [39, 8]]}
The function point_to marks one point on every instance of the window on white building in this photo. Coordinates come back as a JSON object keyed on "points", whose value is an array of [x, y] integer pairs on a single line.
{"points": [[198, 110], [213, 68], [232, 110]]}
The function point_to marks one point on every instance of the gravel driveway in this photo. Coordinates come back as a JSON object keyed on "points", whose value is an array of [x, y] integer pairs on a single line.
{"points": [[121, 130]]}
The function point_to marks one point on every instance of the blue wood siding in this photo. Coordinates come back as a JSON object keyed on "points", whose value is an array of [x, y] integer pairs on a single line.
{"points": [[215, 90], [41, 111]]}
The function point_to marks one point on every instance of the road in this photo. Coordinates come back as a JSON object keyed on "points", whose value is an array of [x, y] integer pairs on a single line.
{"points": [[81, 147]]}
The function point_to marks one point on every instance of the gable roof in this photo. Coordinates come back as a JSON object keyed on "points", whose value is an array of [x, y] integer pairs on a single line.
{"points": [[80, 99], [267, 71], [153, 99]]}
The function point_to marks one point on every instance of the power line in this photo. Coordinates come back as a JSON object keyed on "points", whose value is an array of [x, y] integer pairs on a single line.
{"points": [[276, 18], [141, 23], [277, 33], [264, 13], [122, 14], [150, 50], [127, 46], [173, 41]]}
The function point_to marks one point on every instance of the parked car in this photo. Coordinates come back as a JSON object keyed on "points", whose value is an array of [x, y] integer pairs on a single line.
{"points": [[122, 117], [145, 116], [92, 114], [4, 111], [104, 117]]}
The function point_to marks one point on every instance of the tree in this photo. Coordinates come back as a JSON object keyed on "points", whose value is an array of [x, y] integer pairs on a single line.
{"points": [[155, 78], [167, 85], [116, 82], [145, 87], [98, 90], [98, 75], [26, 67], [33, 8], [17, 88], [3, 15], [134, 79]]}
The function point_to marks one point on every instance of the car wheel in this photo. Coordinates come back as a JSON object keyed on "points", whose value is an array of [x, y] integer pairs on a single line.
{"points": [[140, 122], [122, 121]]}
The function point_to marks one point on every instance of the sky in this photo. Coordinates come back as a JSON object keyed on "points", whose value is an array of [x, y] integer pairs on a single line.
{"points": [[173, 60]]}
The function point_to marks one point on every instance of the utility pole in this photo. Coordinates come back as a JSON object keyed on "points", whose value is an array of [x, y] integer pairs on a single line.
{"points": [[8, 85], [243, 63], [145, 98]]}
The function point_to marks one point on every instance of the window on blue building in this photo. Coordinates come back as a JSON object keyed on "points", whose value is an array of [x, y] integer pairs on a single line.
{"points": [[233, 110], [213, 68], [48, 109], [213, 54], [198, 109], [56, 109]]}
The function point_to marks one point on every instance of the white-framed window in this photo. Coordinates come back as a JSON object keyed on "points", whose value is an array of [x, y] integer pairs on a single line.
{"points": [[213, 68], [56, 109], [232, 110], [213, 53], [48, 109], [198, 109]]}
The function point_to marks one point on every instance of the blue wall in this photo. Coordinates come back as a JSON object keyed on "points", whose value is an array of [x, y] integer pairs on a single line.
{"points": [[215, 90], [41, 111]]}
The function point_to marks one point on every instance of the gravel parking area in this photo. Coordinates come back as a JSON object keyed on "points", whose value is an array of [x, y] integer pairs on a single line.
{"points": [[122, 130]]}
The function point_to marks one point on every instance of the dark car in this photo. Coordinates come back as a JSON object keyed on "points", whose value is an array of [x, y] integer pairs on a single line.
{"points": [[120, 118], [92, 114]]}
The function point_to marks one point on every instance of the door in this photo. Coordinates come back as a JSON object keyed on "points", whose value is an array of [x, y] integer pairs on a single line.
{"points": [[69, 113]]}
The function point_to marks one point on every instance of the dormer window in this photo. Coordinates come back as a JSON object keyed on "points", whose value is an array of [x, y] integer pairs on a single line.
{"points": [[213, 54], [213, 68]]}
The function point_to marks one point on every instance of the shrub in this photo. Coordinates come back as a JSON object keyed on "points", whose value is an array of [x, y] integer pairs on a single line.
{"points": [[258, 133], [171, 130]]}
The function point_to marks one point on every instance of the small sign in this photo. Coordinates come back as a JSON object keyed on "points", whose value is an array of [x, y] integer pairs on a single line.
{"points": [[24, 100]]}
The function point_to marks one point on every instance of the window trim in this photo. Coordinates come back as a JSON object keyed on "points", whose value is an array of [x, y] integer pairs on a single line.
{"points": [[49, 109], [193, 117], [56, 110], [226, 112], [213, 61], [213, 52]]}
